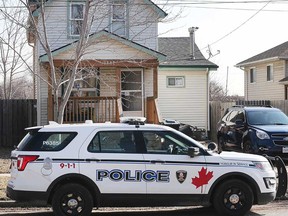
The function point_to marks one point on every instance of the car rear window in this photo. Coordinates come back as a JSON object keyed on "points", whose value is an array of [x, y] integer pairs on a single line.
{"points": [[46, 141]]}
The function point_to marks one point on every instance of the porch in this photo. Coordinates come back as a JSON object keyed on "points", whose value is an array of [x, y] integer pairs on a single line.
{"points": [[103, 109]]}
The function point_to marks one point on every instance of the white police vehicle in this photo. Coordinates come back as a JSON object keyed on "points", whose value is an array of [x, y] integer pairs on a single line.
{"points": [[77, 167]]}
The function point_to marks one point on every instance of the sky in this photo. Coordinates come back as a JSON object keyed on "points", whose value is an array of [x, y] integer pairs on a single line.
{"points": [[233, 30]]}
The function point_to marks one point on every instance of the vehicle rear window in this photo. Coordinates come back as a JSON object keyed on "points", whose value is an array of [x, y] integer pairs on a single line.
{"points": [[46, 141]]}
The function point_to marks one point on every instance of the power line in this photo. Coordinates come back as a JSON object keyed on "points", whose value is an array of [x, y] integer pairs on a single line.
{"points": [[242, 24]]}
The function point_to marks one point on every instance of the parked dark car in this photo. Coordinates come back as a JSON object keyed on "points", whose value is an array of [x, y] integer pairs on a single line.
{"points": [[259, 130]]}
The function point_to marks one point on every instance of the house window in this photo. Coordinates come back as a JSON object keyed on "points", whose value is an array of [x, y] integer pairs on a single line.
{"points": [[76, 18], [118, 18], [88, 85], [252, 75], [175, 81], [269, 73]]}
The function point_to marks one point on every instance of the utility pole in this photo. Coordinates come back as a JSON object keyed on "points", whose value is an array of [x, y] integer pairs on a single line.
{"points": [[227, 80]]}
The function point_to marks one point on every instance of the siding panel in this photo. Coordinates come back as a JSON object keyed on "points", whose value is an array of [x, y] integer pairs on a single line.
{"points": [[188, 104], [263, 89]]}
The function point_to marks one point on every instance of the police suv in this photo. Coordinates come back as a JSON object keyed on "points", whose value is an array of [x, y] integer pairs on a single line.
{"points": [[77, 167]]}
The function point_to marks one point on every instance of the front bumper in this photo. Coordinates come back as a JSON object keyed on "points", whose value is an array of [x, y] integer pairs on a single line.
{"points": [[264, 198]]}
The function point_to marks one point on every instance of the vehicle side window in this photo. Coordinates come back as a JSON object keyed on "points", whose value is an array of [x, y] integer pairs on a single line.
{"points": [[233, 116], [47, 141], [165, 142], [240, 116], [113, 142]]}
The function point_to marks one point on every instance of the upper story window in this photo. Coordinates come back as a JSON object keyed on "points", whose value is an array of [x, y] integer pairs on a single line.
{"points": [[269, 72], [252, 75], [175, 82], [118, 18], [76, 17]]}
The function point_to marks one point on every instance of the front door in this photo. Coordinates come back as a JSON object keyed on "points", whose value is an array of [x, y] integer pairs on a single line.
{"points": [[132, 92]]}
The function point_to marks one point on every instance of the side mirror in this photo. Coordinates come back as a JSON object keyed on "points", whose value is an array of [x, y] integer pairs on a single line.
{"points": [[193, 151], [239, 123], [212, 146]]}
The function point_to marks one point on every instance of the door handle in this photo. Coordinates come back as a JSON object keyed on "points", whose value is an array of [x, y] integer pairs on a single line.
{"points": [[157, 161]]}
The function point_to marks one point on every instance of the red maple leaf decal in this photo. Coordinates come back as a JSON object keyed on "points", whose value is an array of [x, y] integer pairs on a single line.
{"points": [[204, 178]]}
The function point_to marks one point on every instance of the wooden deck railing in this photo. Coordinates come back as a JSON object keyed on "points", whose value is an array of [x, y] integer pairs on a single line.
{"points": [[98, 109], [153, 114]]}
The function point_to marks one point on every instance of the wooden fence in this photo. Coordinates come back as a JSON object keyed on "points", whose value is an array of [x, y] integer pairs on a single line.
{"points": [[217, 110], [15, 116]]}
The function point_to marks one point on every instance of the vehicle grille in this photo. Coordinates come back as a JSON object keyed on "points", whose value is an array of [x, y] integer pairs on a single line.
{"points": [[278, 139]]}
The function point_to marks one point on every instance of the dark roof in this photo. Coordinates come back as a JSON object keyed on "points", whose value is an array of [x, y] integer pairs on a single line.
{"points": [[280, 51], [177, 50]]}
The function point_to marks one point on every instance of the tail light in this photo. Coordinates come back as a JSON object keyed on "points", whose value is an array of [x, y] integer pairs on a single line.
{"points": [[23, 160]]}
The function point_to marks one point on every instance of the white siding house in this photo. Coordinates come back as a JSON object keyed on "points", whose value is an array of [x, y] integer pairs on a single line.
{"points": [[183, 82], [265, 74], [122, 49]]}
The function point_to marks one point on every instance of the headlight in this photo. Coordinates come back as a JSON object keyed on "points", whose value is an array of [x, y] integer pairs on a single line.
{"points": [[262, 135], [263, 166]]}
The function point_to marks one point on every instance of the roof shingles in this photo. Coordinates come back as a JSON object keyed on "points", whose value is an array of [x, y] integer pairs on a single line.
{"points": [[280, 51], [177, 50]]}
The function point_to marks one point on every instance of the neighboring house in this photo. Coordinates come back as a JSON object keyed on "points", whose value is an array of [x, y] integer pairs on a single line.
{"points": [[183, 81], [122, 49], [266, 74]]}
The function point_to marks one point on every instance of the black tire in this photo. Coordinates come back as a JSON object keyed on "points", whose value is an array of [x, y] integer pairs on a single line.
{"points": [[233, 197], [221, 144], [72, 199], [247, 147]]}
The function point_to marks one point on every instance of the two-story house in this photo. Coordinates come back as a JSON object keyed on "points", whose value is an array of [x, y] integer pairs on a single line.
{"points": [[266, 74], [122, 49]]}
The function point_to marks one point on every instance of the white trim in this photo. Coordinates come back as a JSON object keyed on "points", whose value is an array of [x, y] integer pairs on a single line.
{"points": [[176, 85]]}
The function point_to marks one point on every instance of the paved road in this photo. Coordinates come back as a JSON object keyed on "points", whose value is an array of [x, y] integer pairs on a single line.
{"points": [[275, 208]]}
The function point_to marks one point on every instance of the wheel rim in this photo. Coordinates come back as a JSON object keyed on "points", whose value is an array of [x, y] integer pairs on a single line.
{"points": [[72, 204], [234, 199]]}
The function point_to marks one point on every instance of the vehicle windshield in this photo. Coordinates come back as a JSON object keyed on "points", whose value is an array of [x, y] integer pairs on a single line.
{"points": [[264, 117]]}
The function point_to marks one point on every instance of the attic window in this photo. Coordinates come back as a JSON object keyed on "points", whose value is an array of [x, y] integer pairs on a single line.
{"points": [[76, 18], [176, 82], [118, 18]]}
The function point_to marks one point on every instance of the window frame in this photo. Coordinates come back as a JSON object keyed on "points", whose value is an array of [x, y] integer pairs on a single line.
{"points": [[269, 74], [252, 75], [175, 85], [72, 19], [124, 19]]}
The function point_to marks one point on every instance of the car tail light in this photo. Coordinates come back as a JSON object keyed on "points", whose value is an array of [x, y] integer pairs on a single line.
{"points": [[23, 160]]}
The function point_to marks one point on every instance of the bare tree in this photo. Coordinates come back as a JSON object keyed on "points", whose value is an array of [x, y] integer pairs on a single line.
{"points": [[217, 93], [13, 49]]}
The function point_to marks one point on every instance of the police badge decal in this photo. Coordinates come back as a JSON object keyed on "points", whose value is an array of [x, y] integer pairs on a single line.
{"points": [[181, 176]]}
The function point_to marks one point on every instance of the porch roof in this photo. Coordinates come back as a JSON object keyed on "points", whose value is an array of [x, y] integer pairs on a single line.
{"points": [[97, 35]]}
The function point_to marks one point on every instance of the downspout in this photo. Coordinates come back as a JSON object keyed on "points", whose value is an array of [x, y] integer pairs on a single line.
{"points": [[208, 99]]}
